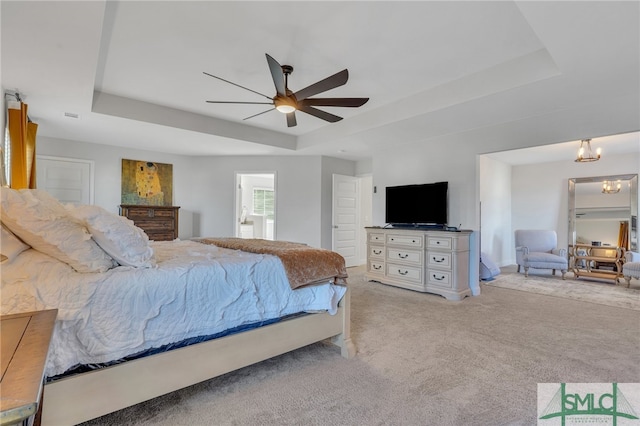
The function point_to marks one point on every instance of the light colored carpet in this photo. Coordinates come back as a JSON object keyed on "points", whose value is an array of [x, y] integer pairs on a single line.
{"points": [[422, 360], [604, 292]]}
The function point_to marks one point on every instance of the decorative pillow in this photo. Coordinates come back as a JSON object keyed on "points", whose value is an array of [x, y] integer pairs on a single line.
{"points": [[117, 235], [11, 245], [41, 221]]}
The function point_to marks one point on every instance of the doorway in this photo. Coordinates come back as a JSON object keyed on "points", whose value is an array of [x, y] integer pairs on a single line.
{"points": [[255, 205]]}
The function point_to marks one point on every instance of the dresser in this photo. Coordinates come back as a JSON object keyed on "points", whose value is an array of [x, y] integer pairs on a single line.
{"points": [[421, 260], [25, 343], [160, 223]]}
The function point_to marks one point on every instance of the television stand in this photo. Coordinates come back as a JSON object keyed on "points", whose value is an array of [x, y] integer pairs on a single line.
{"points": [[425, 260]]}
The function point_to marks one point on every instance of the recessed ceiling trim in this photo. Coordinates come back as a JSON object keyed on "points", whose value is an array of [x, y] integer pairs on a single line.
{"points": [[118, 106], [520, 71]]}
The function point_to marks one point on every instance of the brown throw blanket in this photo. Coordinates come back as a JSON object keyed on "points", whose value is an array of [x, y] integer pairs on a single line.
{"points": [[304, 265]]}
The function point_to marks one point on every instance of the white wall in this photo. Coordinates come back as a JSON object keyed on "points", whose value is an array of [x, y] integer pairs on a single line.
{"points": [[204, 187], [495, 200], [298, 203], [366, 219]]}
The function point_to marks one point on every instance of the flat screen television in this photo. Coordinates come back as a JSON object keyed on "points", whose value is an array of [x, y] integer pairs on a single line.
{"points": [[417, 205]]}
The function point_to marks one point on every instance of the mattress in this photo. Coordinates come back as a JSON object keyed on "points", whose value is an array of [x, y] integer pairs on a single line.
{"points": [[193, 290]]}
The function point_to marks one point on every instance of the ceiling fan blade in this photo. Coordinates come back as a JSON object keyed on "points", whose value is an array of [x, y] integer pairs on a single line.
{"points": [[277, 75], [230, 82], [335, 102], [291, 119], [260, 113], [239, 102], [319, 113], [338, 79]]}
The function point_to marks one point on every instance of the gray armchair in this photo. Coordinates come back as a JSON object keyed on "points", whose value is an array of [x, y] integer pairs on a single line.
{"points": [[538, 249], [631, 267]]}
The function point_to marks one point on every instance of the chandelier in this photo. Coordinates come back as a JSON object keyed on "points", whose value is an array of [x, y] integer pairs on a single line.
{"points": [[585, 154], [611, 187]]}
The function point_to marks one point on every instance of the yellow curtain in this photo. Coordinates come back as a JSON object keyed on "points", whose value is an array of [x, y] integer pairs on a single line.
{"points": [[22, 136], [623, 235]]}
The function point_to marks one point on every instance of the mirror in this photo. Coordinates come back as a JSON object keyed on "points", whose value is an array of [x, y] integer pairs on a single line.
{"points": [[601, 218]]}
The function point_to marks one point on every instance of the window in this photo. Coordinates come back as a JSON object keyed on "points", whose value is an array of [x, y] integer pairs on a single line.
{"points": [[263, 202], [5, 157]]}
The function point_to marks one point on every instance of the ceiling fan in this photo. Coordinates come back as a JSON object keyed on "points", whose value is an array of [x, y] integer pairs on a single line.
{"points": [[289, 102]]}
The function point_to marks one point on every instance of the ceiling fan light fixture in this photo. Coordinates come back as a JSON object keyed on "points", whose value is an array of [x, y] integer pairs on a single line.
{"points": [[285, 109], [285, 104]]}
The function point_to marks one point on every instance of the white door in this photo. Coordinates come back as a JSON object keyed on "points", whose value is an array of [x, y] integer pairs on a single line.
{"points": [[67, 179], [346, 218]]}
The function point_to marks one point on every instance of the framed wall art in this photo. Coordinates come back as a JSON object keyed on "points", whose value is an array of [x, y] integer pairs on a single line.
{"points": [[147, 183]]}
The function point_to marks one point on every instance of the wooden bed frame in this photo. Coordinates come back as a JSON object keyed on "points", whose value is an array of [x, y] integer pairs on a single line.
{"points": [[93, 394]]}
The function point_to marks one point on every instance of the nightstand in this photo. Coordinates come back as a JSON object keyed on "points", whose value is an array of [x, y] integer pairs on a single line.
{"points": [[24, 343]]}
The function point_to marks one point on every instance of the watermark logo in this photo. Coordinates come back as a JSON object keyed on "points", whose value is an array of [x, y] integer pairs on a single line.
{"points": [[563, 404]]}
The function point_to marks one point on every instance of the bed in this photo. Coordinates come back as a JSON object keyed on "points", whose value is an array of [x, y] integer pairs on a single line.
{"points": [[138, 319]]}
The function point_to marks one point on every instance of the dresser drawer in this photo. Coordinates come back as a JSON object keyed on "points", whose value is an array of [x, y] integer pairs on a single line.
{"points": [[405, 240], [161, 236], [376, 267], [439, 242], [155, 225], [146, 212], [160, 223], [439, 278], [439, 260], [376, 238], [376, 252], [404, 272], [400, 255]]}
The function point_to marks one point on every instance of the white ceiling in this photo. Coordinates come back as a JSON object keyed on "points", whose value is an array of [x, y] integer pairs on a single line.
{"points": [[133, 71]]}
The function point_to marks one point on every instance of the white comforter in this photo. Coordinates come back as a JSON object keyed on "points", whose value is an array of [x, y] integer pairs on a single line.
{"points": [[194, 290]]}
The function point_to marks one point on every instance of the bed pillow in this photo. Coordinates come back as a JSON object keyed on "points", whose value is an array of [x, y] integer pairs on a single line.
{"points": [[11, 245], [118, 236], [42, 222]]}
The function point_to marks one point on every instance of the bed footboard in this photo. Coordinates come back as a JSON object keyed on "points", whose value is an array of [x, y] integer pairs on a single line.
{"points": [[89, 395]]}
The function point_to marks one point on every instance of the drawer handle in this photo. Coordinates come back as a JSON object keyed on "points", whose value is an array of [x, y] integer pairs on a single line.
{"points": [[436, 260], [377, 267], [436, 278], [151, 213], [413, 241], [438, 242], [401, 256], [377, 252], [403, 273]]}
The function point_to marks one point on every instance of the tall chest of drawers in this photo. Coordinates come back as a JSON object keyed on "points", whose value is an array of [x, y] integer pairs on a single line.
{"points": [[421, 260], [160, 223]]}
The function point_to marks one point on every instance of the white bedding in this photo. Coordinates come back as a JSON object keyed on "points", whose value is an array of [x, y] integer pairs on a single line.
{"points": [[195, 289]]}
